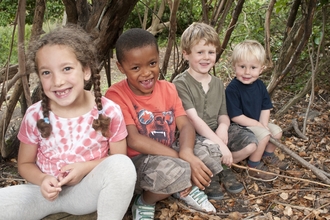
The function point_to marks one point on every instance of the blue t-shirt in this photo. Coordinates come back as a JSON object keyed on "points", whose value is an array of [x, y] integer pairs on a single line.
{"points": [[247, 99]]}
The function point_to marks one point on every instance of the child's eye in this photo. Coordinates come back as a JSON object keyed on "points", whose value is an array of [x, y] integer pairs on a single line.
{"points": [[67, 68], [135, 68], [45, 73], [242, 67], [153, 63]]}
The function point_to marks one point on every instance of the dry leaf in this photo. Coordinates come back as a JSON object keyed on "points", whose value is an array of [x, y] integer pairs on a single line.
{"points": [[235, 215], [288, 211], [284, 196]]}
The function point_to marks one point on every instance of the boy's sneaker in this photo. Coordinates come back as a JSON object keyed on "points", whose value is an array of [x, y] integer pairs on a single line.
{"points": [[197, 199], [275, 161], [228, 178], [259, 175], [213, 191], [142, 212]]}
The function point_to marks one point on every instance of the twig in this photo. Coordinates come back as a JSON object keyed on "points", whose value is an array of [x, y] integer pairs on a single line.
{"points": [[290, 190], [303, 162], [302, 207], [294, 206], [274, 174], [296, 129], [252, 215], [316, 210]]}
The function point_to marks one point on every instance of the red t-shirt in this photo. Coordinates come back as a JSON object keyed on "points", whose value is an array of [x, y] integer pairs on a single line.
{"points": [[153, 115]]}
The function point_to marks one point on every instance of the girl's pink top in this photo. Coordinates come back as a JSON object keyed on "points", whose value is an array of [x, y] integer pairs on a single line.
{"points": [[72, 139]]}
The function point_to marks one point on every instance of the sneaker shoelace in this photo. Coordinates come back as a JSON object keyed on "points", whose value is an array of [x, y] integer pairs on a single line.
{"points": [[197, 195]]}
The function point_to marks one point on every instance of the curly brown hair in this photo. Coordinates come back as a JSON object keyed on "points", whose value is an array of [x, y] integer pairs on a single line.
{"points": [[82, 46]]}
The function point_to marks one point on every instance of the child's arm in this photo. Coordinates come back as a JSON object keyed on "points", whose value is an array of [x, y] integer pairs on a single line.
{"points": [[30, 171], [246, 121], [200, 174], [204, 130], [222, 130], [146, 145], [119, 147], [264, 117]]}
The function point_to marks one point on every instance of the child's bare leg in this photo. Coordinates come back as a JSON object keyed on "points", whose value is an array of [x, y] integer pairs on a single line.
{"points": [[256, 155], [151, 198], [244, 153], [271, 147]]}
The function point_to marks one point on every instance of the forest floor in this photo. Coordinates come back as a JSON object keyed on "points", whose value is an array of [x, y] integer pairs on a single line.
{"points": [[297, 194]]}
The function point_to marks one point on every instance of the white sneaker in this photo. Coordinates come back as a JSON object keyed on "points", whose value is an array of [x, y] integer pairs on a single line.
{"points": [[142, 212], [197, 199]]}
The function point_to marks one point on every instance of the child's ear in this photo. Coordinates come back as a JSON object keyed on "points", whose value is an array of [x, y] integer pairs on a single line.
{"points": [[87, 73], [120, 67], [185, 55]]}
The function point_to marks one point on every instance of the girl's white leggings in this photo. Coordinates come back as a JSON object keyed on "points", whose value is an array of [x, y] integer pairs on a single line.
{"points": [[107, 189]]}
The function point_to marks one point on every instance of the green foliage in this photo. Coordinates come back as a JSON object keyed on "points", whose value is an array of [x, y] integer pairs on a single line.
{"points": [[6, 41], [8, 9]]}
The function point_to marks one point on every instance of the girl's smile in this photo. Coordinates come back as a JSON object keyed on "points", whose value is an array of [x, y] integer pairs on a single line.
{"points": [[62, 78]]}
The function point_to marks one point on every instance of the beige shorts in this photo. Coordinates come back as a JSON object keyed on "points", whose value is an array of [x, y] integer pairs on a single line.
{"points": [[261, 133]]}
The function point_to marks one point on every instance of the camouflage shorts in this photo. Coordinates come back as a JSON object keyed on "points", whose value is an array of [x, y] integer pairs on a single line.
{"points": [[239, 137], [168, 175], [161, 174]]}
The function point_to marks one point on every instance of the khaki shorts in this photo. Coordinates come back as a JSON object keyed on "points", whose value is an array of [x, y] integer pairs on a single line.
{"points": [[239, 137], [261, 133], [168, 175]]}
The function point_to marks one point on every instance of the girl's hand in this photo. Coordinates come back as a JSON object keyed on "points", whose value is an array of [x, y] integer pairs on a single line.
{"points": [[72, 174], [49, 188]]}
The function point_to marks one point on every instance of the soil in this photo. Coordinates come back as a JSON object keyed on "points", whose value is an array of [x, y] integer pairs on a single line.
{"points": [[291, 196]]}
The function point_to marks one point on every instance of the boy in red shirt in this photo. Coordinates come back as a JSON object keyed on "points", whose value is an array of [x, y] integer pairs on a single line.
{"points": [[153, 111]]}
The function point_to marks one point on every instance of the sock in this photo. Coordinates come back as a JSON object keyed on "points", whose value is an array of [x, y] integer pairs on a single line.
{"points": [[268, 154], [252, 163]]}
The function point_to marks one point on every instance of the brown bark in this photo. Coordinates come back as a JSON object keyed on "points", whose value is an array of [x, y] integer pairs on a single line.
{"points": [[38, 18], [267, 33], [4, 122], [12, 70], [237, 11], [71, 11], [292, 17], [300, 40], [224, 12], [171, 37], [83, 11], [21, 51]]}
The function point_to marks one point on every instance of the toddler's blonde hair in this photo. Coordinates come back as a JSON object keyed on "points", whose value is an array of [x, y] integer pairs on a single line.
{"points": [[248, 50]]}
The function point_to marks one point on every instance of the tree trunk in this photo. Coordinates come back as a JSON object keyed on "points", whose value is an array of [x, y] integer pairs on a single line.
{"points": [[295, 44], [171, 38]]}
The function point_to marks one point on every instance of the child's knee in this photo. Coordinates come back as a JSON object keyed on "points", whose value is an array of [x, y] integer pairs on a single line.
{"points": [[251, 148], [166, 176]]}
